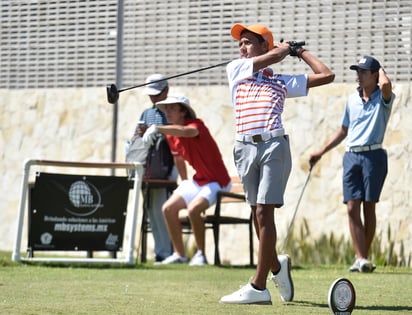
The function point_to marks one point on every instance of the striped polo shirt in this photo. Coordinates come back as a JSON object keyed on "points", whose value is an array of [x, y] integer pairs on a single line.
{"points": [[258, 98]]}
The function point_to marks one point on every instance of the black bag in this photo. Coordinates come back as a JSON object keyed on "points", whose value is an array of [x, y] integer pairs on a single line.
{"points": [[159, 161]]}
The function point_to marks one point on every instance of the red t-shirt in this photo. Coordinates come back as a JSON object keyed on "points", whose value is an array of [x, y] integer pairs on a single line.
{"points": [[202, 153]]}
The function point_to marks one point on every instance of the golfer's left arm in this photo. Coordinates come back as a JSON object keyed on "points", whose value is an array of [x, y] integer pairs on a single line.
{"points": [[321, 73], [181, 166], [385, 85]]}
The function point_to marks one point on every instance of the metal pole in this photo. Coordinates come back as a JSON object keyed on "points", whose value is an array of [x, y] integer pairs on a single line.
{"points": [[22, 205], [119, 68]]}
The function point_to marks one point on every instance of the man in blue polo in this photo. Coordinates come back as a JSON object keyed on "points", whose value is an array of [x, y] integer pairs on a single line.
{"points": [[365, 162], [157, 89]]}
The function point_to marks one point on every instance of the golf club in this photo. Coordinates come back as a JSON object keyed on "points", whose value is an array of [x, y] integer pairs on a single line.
{"points": [[296, 209], [113, 92]]}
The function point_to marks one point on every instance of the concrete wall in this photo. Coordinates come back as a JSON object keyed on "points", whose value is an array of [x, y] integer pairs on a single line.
{"points": [[76, 125]]}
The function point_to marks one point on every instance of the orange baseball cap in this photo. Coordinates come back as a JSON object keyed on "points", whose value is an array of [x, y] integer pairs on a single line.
{"points": [[259, 29]]}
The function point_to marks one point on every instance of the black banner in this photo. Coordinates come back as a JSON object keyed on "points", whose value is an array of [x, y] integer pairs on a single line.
{"points": [[77, 212]]}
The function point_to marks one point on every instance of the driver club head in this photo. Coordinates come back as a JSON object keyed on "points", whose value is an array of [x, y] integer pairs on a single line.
{"points": [[112, 93]]}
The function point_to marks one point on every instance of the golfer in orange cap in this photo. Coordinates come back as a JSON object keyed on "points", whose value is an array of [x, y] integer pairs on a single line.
{"points": [[261, 152]]}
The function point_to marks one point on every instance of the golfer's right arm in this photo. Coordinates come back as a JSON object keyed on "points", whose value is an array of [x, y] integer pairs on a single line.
{"points": [[275, 55], [332, 142]]}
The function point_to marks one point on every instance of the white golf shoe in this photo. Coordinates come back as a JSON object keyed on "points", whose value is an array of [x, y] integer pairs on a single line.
{"points": [[362, 265], [247, 295], [175, 258], [199, 259], [283, 280]]}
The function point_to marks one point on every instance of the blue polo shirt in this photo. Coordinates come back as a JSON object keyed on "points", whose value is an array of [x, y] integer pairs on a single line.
{"points": [[151, 116], [366, 121]]}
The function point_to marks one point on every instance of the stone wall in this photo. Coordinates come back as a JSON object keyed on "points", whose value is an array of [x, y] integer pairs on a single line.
{"points": [[76, 125]]}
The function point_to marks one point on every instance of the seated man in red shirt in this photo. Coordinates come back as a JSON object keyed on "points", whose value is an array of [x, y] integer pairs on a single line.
{"points": [[188, 137]]}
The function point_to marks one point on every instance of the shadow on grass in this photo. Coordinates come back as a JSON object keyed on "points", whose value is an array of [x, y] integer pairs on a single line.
{"points": [[143, 266], [309, 304], [398, 308], [137, 265], [295, 267], [235, 266], [80, 265], [380, 272]]}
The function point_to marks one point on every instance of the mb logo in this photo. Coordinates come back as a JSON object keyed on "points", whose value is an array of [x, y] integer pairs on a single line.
{"points": [[84, 198]]}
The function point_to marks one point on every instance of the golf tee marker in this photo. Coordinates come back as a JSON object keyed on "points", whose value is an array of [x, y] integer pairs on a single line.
{"points": [[341, 297]]}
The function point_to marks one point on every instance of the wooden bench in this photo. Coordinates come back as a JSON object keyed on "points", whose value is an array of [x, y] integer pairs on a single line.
{"points": [[213, 218]]}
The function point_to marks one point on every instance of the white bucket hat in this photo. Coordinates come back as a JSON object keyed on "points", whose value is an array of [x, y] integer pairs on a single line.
{"points": [[182, 100]]}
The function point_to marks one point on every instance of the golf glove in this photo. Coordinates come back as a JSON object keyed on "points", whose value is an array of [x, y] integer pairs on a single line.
{"points": [[149, 136]]}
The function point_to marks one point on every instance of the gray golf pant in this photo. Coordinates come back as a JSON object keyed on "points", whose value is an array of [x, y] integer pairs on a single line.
{"points": [[162, 243]]}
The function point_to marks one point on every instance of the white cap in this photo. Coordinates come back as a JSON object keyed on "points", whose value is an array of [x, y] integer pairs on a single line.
{"points": [[177, 99], [158, 85]]}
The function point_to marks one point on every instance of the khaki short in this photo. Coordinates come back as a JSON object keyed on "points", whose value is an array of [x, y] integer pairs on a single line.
{"points": [[264, 169]]}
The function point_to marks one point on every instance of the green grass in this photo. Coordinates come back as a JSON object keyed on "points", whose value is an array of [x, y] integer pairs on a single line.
{"points": [[27, 288]]}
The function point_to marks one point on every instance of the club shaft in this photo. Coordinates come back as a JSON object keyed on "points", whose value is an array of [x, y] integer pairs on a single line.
{"points": [[296, 208], [177, 75]]}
